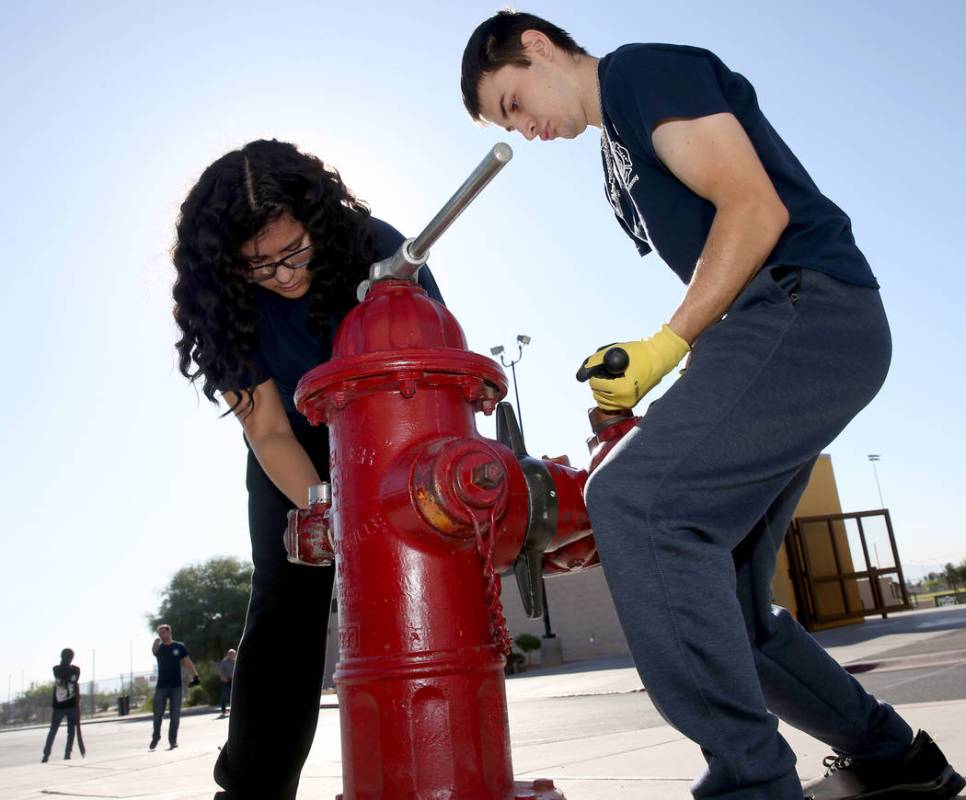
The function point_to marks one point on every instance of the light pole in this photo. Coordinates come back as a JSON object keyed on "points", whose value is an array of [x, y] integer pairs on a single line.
{"points": [[873, 457], [500, 350]]}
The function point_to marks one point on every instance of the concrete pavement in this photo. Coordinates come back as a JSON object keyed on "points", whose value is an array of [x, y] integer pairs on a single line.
{"points": [[589, 726]]}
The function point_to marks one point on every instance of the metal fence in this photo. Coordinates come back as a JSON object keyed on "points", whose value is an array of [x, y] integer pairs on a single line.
{"points": [[98, 698]]}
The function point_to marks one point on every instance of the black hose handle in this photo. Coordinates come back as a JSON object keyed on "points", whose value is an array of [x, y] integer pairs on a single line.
{"points": [[616, 361]]}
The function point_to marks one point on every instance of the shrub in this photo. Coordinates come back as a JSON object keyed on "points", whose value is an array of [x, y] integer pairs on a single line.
{"points": [[527, 642], [197, 696]]}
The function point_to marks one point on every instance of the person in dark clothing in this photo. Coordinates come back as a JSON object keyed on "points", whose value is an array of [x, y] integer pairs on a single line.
{"points": [[170, 655], [64, 702], [271, 246], [788, 341]]}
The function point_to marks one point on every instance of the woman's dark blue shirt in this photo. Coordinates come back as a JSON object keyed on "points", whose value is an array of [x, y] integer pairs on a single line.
{"points": [[288, 346]]}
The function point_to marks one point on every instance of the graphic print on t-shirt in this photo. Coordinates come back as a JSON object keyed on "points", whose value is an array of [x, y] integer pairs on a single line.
{"points": [[613, 190], [65, 689], [621, 177]]}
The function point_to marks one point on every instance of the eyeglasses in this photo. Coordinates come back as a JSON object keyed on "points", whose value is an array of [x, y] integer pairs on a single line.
{"points": [[294, 261]]}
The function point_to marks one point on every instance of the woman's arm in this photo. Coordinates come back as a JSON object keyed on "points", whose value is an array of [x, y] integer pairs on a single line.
{"points": [[269, 433]]}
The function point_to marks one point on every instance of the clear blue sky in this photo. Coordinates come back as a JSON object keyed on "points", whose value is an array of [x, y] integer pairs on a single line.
{"points": [[115, 474]]}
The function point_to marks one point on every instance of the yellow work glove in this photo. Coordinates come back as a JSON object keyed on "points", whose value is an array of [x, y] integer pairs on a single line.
{"points": [[615, 386]]}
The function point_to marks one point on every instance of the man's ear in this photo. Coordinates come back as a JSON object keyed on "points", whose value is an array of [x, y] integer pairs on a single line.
{"points": [[536, 45]]}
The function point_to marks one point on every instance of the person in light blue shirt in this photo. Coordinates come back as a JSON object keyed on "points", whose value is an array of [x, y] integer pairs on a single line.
{"points": [[226, 672]]}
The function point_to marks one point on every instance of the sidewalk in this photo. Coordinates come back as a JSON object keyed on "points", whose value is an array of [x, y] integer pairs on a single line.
{"points": [[643, 759]]}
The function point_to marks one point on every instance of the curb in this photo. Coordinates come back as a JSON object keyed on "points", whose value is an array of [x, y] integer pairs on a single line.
{"points": [[908, 662]]}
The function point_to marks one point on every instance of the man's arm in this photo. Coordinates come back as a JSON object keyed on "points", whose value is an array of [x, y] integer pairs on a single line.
{"points": [[714, 157], [190, 666], [156, 646]]}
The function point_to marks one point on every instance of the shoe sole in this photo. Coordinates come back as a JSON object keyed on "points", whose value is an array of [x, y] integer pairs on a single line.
{"points": [[955, 783], [948, 785]]}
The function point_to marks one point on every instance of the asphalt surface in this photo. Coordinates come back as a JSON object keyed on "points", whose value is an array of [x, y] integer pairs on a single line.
{"points": [[590, 726]]}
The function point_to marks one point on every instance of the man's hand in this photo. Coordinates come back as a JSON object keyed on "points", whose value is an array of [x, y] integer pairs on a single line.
{"points": [[195, 680], [650, 360]]}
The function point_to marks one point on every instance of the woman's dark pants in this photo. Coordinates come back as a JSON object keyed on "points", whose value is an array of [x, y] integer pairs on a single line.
{"points": [[278, 674], [690, 509]]}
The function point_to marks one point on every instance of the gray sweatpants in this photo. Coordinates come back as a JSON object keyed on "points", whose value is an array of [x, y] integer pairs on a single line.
{"points": [[690, 509], [162, 695]]}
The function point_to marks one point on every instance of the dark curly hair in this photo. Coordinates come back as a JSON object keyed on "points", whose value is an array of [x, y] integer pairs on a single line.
{"points": [[235, 198]]}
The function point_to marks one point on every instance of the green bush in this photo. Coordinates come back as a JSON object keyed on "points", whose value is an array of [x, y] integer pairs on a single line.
{"points": [[527, 642], [210, 679], [197, 696]]}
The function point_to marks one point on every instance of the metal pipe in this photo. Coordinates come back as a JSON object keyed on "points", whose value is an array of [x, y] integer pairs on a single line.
{"points": [[320, 493], [493, 162], [412, 254]]}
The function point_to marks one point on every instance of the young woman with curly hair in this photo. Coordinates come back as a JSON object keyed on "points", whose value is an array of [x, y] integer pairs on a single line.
{"points": [[270, 248]]}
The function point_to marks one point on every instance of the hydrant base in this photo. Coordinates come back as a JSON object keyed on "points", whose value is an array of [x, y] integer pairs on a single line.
{"points": [[539, 789]]}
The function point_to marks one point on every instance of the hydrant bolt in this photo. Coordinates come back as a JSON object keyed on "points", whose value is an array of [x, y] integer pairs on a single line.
{"points": [[479, 479], [488, 476]]}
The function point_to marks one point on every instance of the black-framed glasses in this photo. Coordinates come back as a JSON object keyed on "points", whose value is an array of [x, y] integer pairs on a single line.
{"points": [[293, 261]]}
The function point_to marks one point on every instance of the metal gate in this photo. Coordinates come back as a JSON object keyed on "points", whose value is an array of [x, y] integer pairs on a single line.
{"points": [[828, 587]]}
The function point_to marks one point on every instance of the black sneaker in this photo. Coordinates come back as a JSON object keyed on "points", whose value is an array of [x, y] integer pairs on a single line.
{"points": [[922, 772], [66, 756], [44, 759], [154, 743], [172, 746]]}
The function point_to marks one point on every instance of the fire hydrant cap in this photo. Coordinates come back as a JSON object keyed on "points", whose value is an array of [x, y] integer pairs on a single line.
{"points": [[394, 318]]}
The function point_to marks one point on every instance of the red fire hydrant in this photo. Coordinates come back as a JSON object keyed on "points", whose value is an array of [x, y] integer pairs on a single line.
{"points": [[425, 516]]}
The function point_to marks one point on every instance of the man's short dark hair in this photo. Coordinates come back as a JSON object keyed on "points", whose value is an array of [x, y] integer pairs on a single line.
{"points": [[496, 43]]}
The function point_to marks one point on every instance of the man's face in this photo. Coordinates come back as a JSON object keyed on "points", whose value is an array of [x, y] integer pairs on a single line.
{"points": [[165, 635], [539, 101]]}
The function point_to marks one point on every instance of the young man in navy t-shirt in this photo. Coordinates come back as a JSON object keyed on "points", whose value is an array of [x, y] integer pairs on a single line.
{"points": [[787, 340], [170, 655]]}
